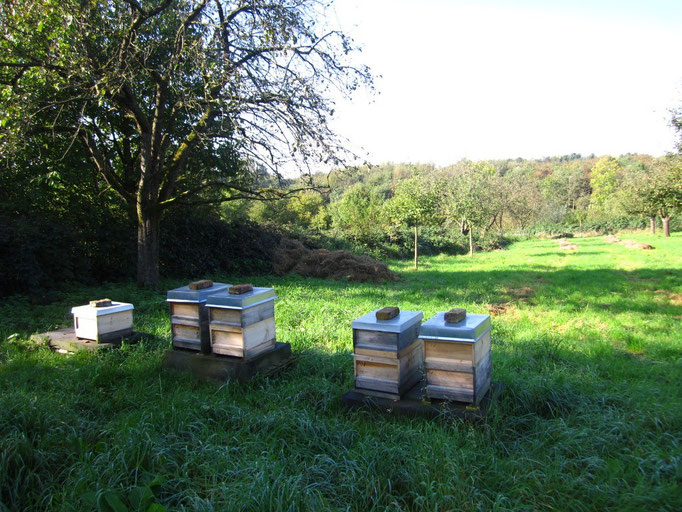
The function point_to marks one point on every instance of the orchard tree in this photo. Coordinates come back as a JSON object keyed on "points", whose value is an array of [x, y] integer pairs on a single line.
{"points": [[525, 201], [357, 214], [637, 193], [174, 100], [604, 180], [666, 191], [469, 199], [415, 203]]}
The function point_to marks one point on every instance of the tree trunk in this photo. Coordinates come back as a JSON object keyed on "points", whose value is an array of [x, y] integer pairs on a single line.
{"points": [[147, 246], [471, 241], [416, 249], [652, 224], [666, 226]]}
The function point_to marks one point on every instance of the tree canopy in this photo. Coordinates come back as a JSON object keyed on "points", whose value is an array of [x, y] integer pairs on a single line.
{"points": [[174, 100]]}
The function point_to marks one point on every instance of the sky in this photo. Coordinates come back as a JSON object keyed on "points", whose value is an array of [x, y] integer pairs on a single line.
{"points": [[505, 79]]}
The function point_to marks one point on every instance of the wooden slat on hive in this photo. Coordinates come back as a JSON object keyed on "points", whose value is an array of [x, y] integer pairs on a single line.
{"points": [[243, 317]]}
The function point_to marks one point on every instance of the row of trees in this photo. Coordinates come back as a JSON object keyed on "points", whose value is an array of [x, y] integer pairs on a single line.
{"points": [[480, 200]]}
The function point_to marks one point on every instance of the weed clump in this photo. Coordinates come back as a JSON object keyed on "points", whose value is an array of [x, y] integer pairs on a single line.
{"points": [[292, 257]]}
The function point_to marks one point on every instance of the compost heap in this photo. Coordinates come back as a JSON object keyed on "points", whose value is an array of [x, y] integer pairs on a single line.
{"points": [[292, 257]]}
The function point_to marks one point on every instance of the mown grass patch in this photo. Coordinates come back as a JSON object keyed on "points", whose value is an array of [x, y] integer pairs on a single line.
{"points": [[590, 418]]}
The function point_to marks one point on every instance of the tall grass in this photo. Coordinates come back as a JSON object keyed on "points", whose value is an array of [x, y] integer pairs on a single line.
{"points": [[590, 418]]}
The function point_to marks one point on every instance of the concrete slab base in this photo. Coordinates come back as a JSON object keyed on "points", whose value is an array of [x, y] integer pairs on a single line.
{"points": [[66, 341]]}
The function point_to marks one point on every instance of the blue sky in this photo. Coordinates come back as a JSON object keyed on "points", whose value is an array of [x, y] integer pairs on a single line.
{"points": [[498, 79]]}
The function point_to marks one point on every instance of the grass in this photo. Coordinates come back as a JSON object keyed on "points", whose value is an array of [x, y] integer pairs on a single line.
{"points": [[588, 345]]}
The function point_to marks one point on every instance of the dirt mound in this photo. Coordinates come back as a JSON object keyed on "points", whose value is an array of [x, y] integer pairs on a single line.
{"points": [[611, 239], [636, 245], [292, 257], [498, 308], [521, 293]]}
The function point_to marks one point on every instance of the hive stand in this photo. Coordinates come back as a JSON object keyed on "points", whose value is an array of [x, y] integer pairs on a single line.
{"points": [[220, 368], [66, 341], [416, 404]]}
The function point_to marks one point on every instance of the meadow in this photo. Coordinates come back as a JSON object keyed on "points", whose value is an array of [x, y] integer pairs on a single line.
{"points": [[588, 346]]}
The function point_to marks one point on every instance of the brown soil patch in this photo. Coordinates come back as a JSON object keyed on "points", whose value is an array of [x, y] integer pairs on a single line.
{"points": [[611, 239], [674, 298], [498, 309], [292, 257], [521, 293]]}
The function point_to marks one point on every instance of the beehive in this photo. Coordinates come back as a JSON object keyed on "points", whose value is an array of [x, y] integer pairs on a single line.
{"points": [[103, 324], [388, 354], [189, 317], [242, 325], [457, 357]]}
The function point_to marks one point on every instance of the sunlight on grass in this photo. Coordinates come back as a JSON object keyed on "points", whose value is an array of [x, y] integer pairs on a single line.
{"points": [[588, 344]]}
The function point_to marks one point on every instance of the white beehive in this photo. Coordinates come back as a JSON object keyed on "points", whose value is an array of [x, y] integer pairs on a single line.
{"points": [[103, 324]]}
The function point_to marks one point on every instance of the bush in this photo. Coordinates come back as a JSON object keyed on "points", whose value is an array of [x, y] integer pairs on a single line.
{"points": [[41, 253], [197, 243]]}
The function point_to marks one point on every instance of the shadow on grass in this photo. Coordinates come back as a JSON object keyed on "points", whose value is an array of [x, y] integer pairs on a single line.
{"points": [[96, 416]]}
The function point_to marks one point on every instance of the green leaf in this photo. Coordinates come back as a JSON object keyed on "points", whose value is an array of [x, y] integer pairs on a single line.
{"points": [[140, 497], [109, 501]]}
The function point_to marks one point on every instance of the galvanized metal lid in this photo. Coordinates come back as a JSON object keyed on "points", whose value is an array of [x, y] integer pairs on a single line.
{"points": [[225, 299], [470, 329], [400, 323], [89, 311], [184, 294]]}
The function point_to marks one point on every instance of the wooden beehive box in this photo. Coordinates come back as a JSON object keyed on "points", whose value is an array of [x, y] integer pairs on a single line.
{"points": [[457, 357], [242, 325], [189, 317], [388, 354], [103, 324]]}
